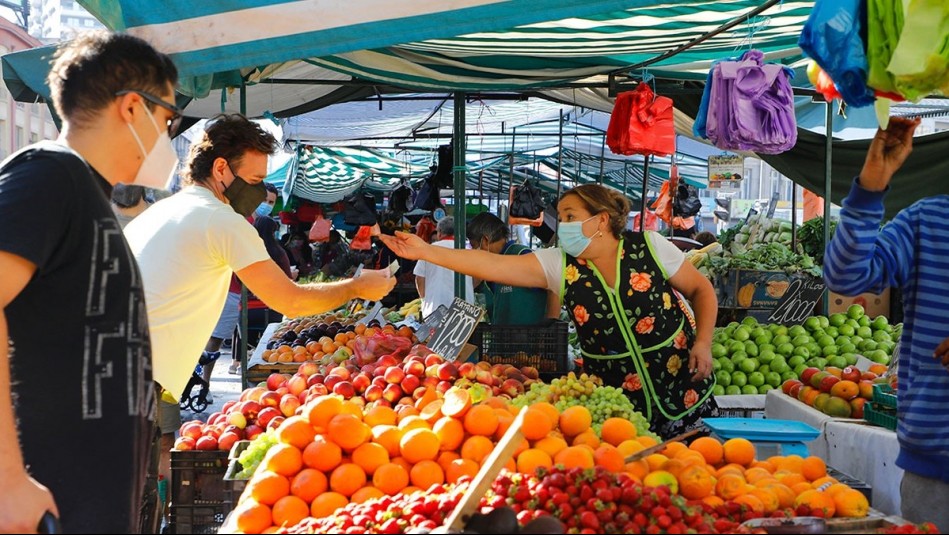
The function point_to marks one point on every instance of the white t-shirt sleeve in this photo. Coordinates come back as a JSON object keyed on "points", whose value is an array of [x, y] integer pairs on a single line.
{"points": [[234, 240], [420, 268], [552, 261], [668, 255]]}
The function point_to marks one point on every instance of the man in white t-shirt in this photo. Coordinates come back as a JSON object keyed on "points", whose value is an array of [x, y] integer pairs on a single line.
{"points": [[188, 245], [436, 285]]}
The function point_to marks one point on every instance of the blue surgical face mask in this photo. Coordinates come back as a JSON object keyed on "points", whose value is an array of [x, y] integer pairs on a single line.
{"points": [[572, 240], [263, 210]]}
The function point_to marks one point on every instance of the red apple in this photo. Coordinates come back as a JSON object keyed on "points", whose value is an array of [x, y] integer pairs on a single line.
{"points": [[419, 392], [394, 375], [817, 378], [443, 386], [266, 415], [276, 380], [250, 409], [495, 391], [414, 367], [283, 389], [787, 385], [226, 408], [795, 390], [227, 441], [467, 370], [868, 376], [433, 359], [379, 381], [530, 372], [319, 390], [380, 371], [235, 430], [484, 377], [857, 407], [392, 393], [237, 419], [270, 399], [827, 383], [331, 381], [368, 369], [432, 371], [341, 372], [382, 403], [361, 382], [807, 374], [252, 431], [315, 379], [308, 368], [447, 371], [275, 422], [386, 361], [297, 384], [431, 381], [289, 405], [184, 444], [512, 387], [373, 393], [206, 443], [216, 418], [193, 430], [345, 389], [850, 373], [410, 383]]}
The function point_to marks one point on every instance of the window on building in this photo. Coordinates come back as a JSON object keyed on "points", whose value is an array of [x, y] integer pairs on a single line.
{"points": [[19, 141], [4, 140], [775, 174], [34, 137], [89, 23]]}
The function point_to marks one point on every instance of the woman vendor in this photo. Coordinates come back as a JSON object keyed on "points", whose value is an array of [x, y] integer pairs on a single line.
{"points": [[624, 292]]}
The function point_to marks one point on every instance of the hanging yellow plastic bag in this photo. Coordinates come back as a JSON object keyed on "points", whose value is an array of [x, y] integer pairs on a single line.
{"points": [[884, 24], [920, 62]]}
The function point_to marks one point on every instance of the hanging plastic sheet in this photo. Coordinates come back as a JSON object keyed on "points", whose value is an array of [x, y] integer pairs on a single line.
{"points": [[832, 37], [641, 123]]}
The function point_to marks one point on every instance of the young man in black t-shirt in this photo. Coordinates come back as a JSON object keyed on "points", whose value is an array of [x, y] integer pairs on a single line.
{"points": [[75, 358]]}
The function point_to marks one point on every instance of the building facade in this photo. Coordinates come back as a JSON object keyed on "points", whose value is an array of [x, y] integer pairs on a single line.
{"points": [[55, 20], [20, 123]]}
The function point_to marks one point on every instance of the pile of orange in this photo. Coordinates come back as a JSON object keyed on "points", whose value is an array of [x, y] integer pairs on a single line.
{"points": [[316, 349]]}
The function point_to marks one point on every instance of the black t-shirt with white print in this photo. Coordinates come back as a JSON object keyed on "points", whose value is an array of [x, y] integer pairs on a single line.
{"points": [[80, 350]]}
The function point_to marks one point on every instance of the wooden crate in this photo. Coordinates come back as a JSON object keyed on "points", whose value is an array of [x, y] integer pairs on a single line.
{"points": [[261, 372]]}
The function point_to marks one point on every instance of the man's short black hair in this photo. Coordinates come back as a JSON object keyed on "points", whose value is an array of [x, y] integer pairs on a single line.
{"points": [[227, 136], [91, 69]]}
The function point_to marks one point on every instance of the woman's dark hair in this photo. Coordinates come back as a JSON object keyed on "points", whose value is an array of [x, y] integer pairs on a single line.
{"points": [[597, 199], [229, 137], [705, 238], [487, 226]]}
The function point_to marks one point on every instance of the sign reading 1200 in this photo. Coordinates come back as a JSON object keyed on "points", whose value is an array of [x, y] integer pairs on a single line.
{"points": [[455, 329], [798, 302]]}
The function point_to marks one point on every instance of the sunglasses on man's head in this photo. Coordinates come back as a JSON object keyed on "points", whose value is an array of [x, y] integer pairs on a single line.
{"points": [[173, 123]]}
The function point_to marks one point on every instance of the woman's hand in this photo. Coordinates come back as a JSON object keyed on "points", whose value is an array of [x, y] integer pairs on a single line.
{"points": [[408, 246], [700, 361]]}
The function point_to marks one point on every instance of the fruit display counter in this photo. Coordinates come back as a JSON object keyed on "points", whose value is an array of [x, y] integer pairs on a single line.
{"points": [[866, 452]]}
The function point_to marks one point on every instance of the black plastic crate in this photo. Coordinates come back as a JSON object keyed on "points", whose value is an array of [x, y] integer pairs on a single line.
{"points": [[197, 478], [852, 482], [197, 518], [541, 346]]}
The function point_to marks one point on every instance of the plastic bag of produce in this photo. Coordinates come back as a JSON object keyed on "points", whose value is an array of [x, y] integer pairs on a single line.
{"points": [[367, 350], [831, 36]]}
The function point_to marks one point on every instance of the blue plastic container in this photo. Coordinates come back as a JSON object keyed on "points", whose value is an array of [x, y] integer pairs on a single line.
{"points": [[789, 435]]}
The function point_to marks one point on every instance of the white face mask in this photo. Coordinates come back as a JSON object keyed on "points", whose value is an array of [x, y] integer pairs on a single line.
{"points": [[159, 163]]}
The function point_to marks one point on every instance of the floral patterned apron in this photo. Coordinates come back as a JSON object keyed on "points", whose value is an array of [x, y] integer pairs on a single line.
{"points": [[638, 334]]}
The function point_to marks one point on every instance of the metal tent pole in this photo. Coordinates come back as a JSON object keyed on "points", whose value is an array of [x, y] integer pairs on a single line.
{"points": [[244, 330], [793, 216], [828, 154], [602, 160], [642, 211], [458, 142]]}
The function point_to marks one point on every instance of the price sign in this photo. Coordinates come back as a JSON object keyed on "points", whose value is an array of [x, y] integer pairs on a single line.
{"points": [[772, 205], [455, 329], [427, 329], [798, 302]]}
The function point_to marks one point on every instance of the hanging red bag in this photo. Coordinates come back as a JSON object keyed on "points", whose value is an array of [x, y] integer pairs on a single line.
{"points": [[641, 123], [362, 241], [663, 204], [652, 222], [320, 231], [425, 228]]}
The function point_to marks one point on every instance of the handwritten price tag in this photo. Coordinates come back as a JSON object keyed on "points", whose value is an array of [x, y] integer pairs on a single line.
{"points": [[798, 302], [455, 329]]}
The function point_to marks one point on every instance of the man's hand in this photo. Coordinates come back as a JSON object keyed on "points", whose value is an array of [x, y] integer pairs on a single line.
{"points": [[700, 361], [408, 246], [942, 353], [23, 504], [888, 150], [374, 284]]}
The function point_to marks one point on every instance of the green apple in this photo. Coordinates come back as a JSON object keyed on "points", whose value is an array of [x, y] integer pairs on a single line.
{"points": [[718, 390], [749, 390], [739, 379], [748, 365], [732, 391], [756, 379], [723, 378]]}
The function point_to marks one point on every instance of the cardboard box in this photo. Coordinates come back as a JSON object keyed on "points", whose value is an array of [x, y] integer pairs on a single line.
{"points": [[874, 304], [740, 288]]}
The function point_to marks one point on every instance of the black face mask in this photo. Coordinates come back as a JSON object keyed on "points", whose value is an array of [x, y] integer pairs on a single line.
{"points": [[244, 197]]}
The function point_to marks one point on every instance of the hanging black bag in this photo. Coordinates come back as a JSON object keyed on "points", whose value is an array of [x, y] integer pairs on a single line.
{"points": [[686, 202], [428, 196], [360, 210], [401, 199], [527, 202], [444, 177]]}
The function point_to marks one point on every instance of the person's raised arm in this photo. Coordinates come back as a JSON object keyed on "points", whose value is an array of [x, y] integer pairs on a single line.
{"points": [[523, 270], [699, 291], [271, 285], [24, 500]]}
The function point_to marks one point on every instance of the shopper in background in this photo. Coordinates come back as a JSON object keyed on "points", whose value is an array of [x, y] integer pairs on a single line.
{"points": [[74, 340], [436, 285], [706, 238], [299, 252], [908, 253], [128, 201], [622, 291], [506, 304]]}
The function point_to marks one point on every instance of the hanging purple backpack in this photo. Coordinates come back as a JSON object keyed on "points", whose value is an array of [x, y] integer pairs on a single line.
{"points": [[751, 105]]}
